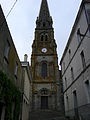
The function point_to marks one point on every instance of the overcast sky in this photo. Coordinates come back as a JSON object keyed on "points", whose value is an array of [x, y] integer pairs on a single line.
{"points": [[21, 22]]}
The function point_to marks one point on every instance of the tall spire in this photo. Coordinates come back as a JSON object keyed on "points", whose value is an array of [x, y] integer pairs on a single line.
{"points": [[44, 10], [44, 20]]}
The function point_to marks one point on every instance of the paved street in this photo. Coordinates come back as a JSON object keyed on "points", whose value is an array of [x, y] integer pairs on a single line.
{"points": [[46, 115]]}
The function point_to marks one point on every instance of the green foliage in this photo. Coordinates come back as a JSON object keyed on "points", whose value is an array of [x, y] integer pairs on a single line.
{"points": [[9, 94]]}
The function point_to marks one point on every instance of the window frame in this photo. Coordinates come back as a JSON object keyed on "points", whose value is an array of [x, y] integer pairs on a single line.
{"points": [[42, 38], [69, 55], [6, 51], [83, 59], [44, 70], [16, 70], [79, 37], [87, 89], [72, 74], [46, 37], [65, 83], [88, 16]]}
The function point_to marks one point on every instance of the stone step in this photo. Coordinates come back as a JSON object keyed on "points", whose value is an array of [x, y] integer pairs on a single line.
{"points": [[58, 118], [47, 115]]}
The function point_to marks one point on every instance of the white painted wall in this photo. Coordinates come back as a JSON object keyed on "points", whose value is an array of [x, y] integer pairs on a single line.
{"points": [[76, 63]]}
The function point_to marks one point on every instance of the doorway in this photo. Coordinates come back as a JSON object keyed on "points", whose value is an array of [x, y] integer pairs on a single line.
{"points": [[44, 102]]}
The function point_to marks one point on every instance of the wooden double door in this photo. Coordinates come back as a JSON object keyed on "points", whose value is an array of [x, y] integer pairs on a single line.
{"points": [[44, 102]]}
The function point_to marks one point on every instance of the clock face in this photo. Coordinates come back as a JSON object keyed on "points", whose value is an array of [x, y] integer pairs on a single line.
{"points": [[44, 50]]}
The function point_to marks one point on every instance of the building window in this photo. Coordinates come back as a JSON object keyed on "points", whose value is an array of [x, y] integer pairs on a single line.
{"points": [[87, 87], [72, 74], [42, 37], [6, 52], [88, 15], [46, 37], [83, 59], [78, 35], [69, 55], [44, 24], [44, 70], [16, 70], [65, 83]]}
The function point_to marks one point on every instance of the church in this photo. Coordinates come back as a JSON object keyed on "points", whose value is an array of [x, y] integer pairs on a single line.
{"points": [[44, 63], [25, 88], [36, 91]]}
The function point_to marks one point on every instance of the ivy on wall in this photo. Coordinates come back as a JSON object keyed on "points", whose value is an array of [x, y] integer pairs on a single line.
{"points": [[9, 94]]}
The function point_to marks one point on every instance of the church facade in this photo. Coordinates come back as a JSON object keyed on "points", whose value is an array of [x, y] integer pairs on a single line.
{"points": [[44, 63]]}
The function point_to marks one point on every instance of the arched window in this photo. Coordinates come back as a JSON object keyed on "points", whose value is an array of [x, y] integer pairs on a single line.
{"points": [[44, 24], [41, 37], [46, 37], [44, 70]]}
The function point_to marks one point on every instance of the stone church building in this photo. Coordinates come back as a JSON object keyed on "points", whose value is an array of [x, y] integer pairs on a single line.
{"points": [[44, 63]]}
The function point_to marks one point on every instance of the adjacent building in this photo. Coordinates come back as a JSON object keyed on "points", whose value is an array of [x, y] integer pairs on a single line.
{"points": [[27, 89], [10, 74], [44, 63], [15, 78], [75, 66]]}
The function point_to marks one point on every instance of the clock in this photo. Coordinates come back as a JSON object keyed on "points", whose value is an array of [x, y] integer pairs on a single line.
{"points": [[44, 50]]}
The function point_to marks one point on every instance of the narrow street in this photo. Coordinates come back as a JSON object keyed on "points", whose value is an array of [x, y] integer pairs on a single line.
{"points": [[45, 60], [46, 115]]}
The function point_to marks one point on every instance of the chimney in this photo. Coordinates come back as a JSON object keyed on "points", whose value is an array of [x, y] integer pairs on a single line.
{"points": [[25, 57]]}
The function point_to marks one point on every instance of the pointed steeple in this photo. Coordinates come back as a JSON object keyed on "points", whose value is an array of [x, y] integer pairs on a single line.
{"points": [[44, 20], [44, 10]]}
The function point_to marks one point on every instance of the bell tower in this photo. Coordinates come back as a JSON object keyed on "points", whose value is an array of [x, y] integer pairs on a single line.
{"points": [[44, 62]]}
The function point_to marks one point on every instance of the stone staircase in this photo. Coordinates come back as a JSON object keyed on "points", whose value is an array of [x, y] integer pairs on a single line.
{"points": [[47, 115]]}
